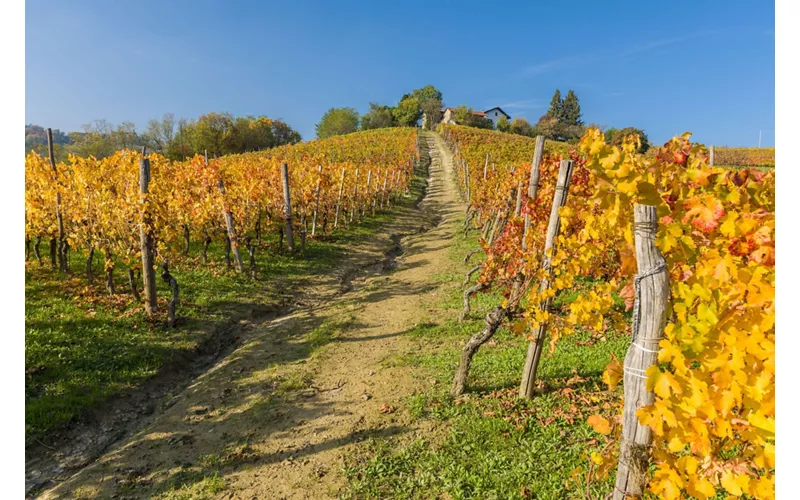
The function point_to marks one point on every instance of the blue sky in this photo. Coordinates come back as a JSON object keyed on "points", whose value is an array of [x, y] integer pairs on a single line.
{"points": [[705, 67]]}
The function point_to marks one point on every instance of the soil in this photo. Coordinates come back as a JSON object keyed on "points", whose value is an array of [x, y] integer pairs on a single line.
{"points": [[277, 415]]}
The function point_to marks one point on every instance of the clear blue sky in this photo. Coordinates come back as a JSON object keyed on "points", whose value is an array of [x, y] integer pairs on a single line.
{"points": [[701, 66]]}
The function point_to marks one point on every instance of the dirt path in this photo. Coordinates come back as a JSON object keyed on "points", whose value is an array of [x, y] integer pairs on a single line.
{"points": [[275, 418]]}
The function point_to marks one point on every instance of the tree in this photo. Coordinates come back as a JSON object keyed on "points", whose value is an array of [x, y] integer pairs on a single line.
{"points": [[615, 137], [425, 94], [555, 106], [503, 125], [377, 117], [432, 110], [408, 112], [465, 116], [337, 121], [570, 110], [161, 133], [521, 126]]}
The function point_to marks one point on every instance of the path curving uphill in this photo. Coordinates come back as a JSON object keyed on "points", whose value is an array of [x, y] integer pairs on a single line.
{"points": [[275, 418]]}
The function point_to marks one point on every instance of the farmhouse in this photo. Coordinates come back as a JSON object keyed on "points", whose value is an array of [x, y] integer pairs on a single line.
{"points": [[494, 114]]}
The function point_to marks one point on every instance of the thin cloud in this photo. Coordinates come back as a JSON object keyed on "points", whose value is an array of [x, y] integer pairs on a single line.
{"points": [[529, 104], [657, 44], [550, 66]]}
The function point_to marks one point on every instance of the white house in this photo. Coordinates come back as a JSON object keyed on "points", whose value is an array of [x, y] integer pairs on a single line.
{"points": [[494, 114]]}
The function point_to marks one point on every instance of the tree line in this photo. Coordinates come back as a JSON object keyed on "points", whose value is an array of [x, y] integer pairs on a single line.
{"points": [[410, 109], [217, 133]]}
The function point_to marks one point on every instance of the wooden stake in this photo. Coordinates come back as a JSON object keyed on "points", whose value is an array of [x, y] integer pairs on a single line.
{"points": [[486, 167], [711, 155], [518, 206], [354, 204], [653, 299], [533, 183], [232, 238], [316, 203], [527, 385], [339, 201], [146, 240], [62, 255], [287, 206]]}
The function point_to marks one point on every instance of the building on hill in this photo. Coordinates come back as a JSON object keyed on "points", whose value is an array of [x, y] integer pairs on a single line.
{"points": [[494, 114]]}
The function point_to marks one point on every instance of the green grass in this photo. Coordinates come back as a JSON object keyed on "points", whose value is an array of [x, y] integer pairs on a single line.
{"points": [[83, 346], [491, 444]]}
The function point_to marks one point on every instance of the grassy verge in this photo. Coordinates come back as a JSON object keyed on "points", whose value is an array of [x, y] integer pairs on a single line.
{"points": [[494, 445], [83, 346]]}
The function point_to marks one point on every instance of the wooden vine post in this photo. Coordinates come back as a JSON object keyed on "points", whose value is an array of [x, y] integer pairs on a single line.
{"points": [[533, 184], [232, 238], [287, 206], [61, 252], [528, 383], [339, 200], [354, 205], [146, 239], [316, 203], [711, 155], [486, 167], [651, 289], [383, 192]]}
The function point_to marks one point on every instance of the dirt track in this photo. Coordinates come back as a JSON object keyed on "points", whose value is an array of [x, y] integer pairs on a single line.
{"points": [[277, 415]]}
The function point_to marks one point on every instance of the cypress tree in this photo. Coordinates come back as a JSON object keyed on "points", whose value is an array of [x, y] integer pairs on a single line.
{"points": [[570, 110], [556, 105]]}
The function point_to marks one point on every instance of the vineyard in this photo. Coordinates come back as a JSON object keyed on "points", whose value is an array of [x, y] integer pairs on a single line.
{"points": [[590, 322], [87, 340], [711, 410]]}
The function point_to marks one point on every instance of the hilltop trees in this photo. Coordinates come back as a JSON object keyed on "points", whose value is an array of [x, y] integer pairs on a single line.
{"points": [[217, 133], [562, 121], [337, 121], [465, 116], [521, 126], [408, 112], [378, 116]]}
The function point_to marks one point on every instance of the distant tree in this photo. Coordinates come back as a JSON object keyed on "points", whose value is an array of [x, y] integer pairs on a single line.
{"points": [[503, 124], [570, 110], [408, 112], [549, 127], [425, 94], [466, 116], [617, 136], [337, 121], [432, 110], [556, 104], [378, 116], [522, 127], [161, 133]]}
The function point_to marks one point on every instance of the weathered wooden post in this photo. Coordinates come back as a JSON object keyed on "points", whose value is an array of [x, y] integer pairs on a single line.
{"points": [[711, 155], [651, 298], [339, 200], [354, 205], [533, 184], [146, 239], [486, 167], [528, 383], [287, 206], [233, 240], [316, 203], [369, 183], [383, 191], [61, 251], [518, 206]]}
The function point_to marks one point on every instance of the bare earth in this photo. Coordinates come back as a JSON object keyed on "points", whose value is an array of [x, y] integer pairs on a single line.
{"points": [[277, 416]]}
